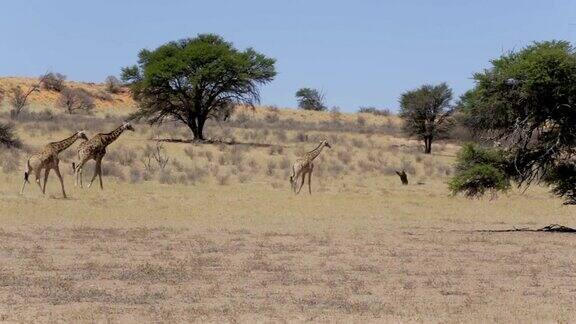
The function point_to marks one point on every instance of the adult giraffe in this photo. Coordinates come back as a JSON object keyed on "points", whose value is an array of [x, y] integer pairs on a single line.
{"points": [[95, 149], [48, 160], [304, 165]]}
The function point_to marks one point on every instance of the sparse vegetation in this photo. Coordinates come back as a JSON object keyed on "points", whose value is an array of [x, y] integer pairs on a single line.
{"points": [[113, 84], [375, 111], [74, 100], [154, 157], [19, 100]]}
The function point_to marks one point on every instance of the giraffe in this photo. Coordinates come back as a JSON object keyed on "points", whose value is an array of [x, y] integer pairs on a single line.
{"points": [[304, 165], [95, 149], [48, 159]]}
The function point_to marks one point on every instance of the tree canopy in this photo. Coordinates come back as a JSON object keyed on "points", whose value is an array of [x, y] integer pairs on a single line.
{"points": [[194, 79], [525, 104], [310, 99], [426, 112]]}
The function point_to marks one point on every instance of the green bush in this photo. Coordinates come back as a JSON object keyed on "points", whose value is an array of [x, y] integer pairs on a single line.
{"points": [[563, 177], [8, 137], [479, 170]]}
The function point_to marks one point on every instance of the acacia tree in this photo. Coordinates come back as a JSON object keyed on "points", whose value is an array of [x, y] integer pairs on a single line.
{"points": [[113, 84], [18, 98], [73, 100], [53, 81], [524, 104], [194, 79], [425, 112], [310, 99]]}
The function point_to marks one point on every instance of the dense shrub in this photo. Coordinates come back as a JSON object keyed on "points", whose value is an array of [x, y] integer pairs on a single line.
{"points": [[53, 81], [525, 102], [563, 176], [375, 111], [310, 99], [8, 137], [479, 170]]}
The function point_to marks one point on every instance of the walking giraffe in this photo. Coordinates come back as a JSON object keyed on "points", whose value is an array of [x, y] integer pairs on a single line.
{"points": [[48, 160], [304, 165], [95, 149]]}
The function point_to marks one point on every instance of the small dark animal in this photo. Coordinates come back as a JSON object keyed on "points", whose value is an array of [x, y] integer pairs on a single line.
{"points": [[403, 177]]}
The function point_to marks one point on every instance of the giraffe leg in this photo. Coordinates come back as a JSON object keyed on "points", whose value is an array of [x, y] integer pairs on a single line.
{"points": [[26, 175], [302, 182], [100, 174], [37, 174], [294, 182], [79, 172], [310, 178], [57, 171], [23, 186], [46, 172], [75, 169], [294, 179], [81, 176], [96, 168]]}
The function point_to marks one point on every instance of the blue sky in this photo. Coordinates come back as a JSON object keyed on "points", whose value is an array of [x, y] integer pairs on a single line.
{"points": [[358, 52]]}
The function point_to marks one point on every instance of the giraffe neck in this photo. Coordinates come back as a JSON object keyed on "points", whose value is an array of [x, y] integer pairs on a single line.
{"points": [[65, 143], [107, 139], [315, 152]]}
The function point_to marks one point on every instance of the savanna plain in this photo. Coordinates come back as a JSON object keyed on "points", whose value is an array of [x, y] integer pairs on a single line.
{"points": [[210, 232]]}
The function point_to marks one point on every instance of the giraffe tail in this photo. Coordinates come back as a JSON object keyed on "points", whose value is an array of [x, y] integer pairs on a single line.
{"points": [[74, 166], [292, 178]]}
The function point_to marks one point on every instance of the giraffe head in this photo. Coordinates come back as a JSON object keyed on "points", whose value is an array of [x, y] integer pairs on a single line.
{"points": [[82, 134], [325, 143], [127, 126]]}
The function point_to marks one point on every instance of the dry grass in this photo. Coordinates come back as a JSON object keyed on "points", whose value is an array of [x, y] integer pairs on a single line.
{"points": [[87, 273], [215, 234], [104, 101]]}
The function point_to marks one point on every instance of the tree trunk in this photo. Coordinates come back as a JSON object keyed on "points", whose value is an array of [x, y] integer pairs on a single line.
{"points": [[196, 125], [201, 121], [428, 145]]}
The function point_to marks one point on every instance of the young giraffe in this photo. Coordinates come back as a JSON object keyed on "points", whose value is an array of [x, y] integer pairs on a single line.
{"points": [[48, 159], [305, 165], [95, 149]]}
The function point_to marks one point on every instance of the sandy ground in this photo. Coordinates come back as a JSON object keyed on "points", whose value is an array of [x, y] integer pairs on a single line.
{"points": [[151, 252]]}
